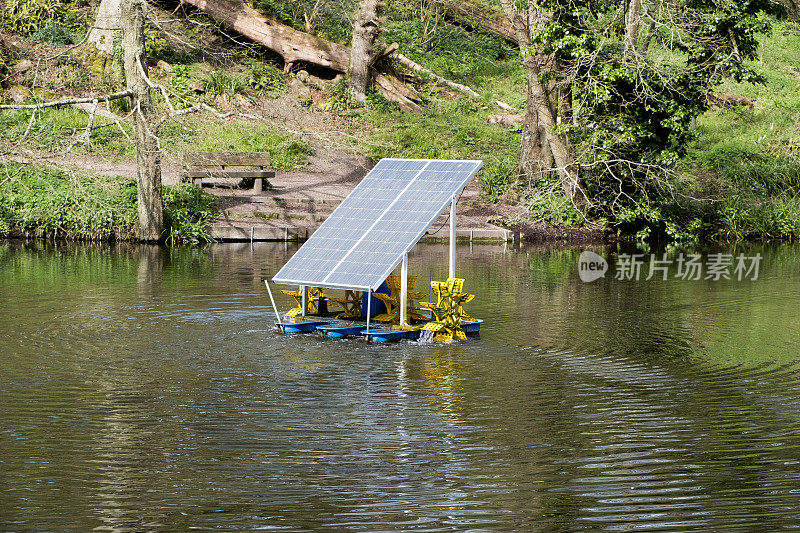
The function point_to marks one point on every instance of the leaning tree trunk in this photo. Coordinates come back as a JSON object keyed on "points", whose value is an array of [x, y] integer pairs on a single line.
{"points": [[560, 146], [535, 156], [150, 206], [292, 45], [365, 29], [98, 50]]}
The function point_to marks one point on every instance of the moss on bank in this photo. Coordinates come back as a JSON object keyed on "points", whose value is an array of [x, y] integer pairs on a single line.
{"points": [[45, 202]]}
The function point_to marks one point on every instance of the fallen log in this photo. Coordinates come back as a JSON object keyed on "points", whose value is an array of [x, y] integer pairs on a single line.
{"points": [[396, 91], [717, 100], [292, 45], [297, 46], [416, 67], [505, 120]]}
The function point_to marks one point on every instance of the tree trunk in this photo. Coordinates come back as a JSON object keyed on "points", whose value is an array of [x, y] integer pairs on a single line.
{"points": [[365, 29], [150, 206], [535, 156], [98, 50], [560, 146], [632, 25], [540, 109]]}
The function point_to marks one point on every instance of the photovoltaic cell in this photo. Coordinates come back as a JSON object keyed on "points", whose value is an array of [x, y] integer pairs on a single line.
{"points": [[362, 241]]}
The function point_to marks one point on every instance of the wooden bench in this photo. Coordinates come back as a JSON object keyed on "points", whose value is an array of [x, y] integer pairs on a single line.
{"points": [[235, 169]]}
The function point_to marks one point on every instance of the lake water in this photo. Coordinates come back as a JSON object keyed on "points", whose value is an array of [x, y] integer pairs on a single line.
{"points": [[146, 389]]}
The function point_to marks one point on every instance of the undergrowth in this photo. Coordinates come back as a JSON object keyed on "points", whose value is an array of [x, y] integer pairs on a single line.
{"points": [[45, 201]]}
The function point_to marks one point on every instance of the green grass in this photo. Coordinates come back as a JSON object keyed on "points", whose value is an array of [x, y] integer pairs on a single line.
{"points": [[196, 134], [453, 129], [55, 129]]}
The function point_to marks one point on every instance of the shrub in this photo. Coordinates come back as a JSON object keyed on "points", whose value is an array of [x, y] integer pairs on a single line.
{"points": [[55, 34], [187, 212], [265, 79], [30, 16], [44, 200], [222, 82]]}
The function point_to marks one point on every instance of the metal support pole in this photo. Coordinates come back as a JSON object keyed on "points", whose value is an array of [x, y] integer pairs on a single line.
{"points": [[274, 307], [403, 289], [369, 311], [452, 270], [304, 299], [430, 295]]}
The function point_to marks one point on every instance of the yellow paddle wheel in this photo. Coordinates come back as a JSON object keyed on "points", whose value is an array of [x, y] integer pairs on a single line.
{"points": [[448, 311], [392, 301], [314, 294], [351, 303]]}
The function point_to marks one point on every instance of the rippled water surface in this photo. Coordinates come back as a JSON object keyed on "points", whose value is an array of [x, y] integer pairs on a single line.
{"points": [[145, 389]]}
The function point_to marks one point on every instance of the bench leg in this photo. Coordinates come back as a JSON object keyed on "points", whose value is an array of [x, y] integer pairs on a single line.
{"points": [[258, 185], [199, 182]]}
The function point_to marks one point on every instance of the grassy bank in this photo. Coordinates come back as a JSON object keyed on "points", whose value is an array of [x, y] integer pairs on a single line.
{"points": [[47, 202], [742, 174]]}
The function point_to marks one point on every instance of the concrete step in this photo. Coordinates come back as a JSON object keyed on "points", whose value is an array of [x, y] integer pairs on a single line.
{"points": [[227, 232], [238, 232]]}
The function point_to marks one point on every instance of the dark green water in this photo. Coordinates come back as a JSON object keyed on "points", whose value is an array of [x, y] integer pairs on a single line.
{"points": [[144, 389]]}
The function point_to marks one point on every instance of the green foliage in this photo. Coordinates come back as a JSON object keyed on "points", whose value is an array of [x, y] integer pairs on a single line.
{"points": [[223, 82], [44, 200], [48, 132], [28, 16], [265, 79], [277, 9], [451, 130], [179, 81], [180, 78], [339, 98], [188, 211], [287, 152], [450, 51], [378, 102], [55, 128], [55, 34], [634, 113], [331, 20], [553, 209], [496, 176], [159, 49]]}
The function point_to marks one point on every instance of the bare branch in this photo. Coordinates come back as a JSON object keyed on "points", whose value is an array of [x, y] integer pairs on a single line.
{"points": [[69, 101]]}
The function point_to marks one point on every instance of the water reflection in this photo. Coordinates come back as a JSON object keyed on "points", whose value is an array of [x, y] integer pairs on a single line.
{"points": [[144, 389]]}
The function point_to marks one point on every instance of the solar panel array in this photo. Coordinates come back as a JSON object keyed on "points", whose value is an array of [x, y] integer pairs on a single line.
{"points": [[363, 240]]}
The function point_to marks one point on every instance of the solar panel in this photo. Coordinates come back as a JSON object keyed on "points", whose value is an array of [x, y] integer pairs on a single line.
{"points": [[362, 241]]}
